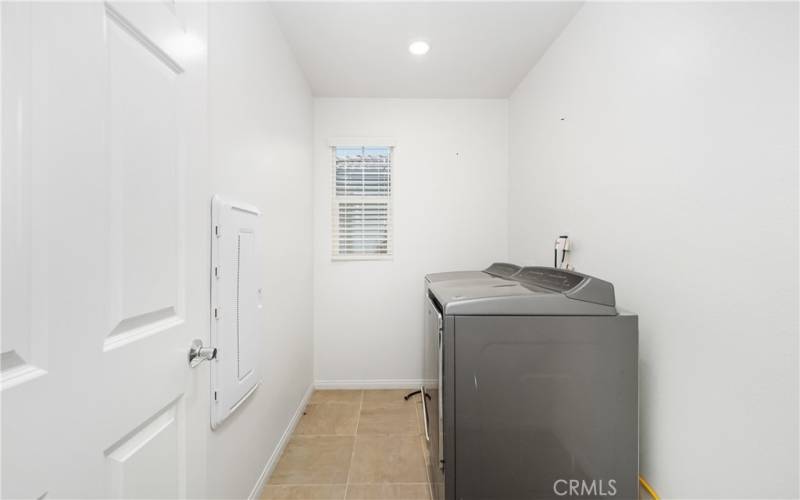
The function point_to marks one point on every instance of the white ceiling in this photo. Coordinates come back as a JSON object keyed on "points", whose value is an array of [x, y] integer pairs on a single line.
{"points": [[478, 49]]}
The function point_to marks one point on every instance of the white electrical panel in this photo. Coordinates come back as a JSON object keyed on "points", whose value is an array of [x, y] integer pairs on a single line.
{"points": [[236, 307]]}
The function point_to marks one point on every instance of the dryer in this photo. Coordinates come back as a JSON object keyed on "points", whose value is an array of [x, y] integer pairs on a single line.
{"points": [[535, 388]]}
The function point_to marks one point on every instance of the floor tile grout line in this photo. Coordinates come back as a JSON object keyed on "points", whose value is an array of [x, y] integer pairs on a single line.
{"points": [[353, 453], [358, 416]]}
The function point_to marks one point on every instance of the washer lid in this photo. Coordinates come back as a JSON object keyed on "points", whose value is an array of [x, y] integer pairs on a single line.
{"points": [[572, 284], [456, 275], [532, 291], [496, 270]]}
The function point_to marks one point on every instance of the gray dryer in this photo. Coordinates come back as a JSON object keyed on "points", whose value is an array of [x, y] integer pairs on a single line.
{"points": [[538, 378]]}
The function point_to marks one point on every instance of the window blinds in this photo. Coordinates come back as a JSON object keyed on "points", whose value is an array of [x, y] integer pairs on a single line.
{"points": [[362, 202]]}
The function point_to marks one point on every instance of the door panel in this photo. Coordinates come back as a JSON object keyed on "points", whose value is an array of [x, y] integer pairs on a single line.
{"points": [[145, 187], [106, 121], [147, 462], [145, 224], [23, 349]]}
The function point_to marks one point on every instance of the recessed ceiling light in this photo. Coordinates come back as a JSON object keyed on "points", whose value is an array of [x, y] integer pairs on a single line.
{"points": [[419, 47]]}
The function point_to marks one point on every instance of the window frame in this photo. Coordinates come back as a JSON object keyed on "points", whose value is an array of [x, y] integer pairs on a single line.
{"points": [[337, 200]]}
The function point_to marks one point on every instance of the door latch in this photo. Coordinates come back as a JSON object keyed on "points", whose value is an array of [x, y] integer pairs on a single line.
{"points": [[198, 353]]}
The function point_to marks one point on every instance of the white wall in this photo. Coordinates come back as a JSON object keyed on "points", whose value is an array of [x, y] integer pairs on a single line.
{"points": [[260, 131], [664, 139], [450, 200]]}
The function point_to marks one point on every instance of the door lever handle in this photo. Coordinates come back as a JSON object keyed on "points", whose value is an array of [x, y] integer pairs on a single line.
{"points": [[198, 353]]}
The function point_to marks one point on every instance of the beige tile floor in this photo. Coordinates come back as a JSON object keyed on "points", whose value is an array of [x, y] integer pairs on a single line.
{"points": [[354, 445]]}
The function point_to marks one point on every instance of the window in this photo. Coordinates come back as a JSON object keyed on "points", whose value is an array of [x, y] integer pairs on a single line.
{"points": [[362, 202]]}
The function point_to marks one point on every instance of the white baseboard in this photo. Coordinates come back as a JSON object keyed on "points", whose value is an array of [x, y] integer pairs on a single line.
{"points": [[402, 383], [284, 440]]}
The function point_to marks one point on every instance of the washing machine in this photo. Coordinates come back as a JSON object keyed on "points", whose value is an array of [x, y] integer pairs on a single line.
{"points": [[531, 388]]}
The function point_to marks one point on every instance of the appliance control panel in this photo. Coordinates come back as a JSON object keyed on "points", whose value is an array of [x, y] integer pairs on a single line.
{"points": [[572, 284], [557, 280]]}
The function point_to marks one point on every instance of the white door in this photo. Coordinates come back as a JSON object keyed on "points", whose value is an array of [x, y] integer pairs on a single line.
{"points": [[104, 250]]}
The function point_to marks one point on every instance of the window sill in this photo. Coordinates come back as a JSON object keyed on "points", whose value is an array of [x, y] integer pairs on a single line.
{"points": [[336, 258]]}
